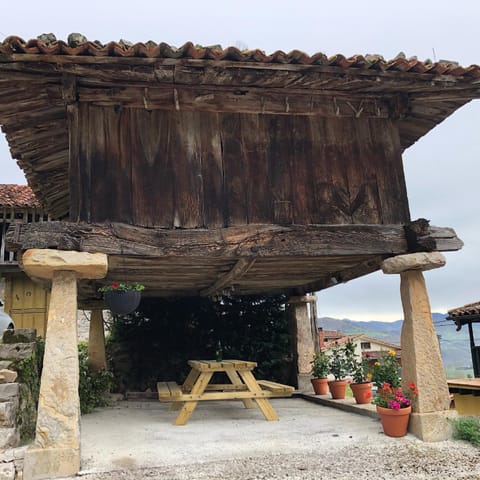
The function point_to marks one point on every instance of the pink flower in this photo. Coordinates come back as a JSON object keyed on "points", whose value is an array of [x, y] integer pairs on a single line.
{"points": [[394, 405]]}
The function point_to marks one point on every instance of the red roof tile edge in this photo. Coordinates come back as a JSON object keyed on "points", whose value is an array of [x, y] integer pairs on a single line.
{"points": [[78, 45], [468, 309]]}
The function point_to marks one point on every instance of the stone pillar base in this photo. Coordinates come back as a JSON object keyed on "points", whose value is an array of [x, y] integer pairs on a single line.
{"points": [[432, 427], [44, 463], [304, 383]]}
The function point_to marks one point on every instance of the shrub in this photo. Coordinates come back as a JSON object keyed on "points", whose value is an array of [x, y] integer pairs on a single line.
{"points": [[467, 428], [154, 343], [93, 385]]}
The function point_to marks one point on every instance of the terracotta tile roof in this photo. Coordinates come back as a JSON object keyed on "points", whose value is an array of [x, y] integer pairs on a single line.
{"points": [[78, 45], [469, 309], [17, 196]]}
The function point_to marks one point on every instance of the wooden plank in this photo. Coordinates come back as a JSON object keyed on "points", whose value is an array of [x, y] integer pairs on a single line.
{"points": [[385, 155], [168, 391], [214, 212], [276, 388], [187, 170], [235, 180], [189, 398], [152, 169], [279, 168], [263, 403], [237, 382], [258, 193], [327, 170], [197, 390]]}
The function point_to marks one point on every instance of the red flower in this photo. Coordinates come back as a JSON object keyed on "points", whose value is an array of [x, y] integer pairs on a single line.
{"points": [[114, 286], [368, 395]]}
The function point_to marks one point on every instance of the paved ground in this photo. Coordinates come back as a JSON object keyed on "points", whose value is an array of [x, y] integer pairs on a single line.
{"points": [[222, 440]]}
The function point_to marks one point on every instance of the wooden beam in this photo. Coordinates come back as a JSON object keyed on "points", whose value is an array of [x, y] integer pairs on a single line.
{"points": [[234, 242], [240, 268], [242, 100]]}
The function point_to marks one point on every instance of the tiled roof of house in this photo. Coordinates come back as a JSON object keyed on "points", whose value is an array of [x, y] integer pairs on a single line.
{"points": [[469, 313], [78, 45], [17, 196], [360, 337]]}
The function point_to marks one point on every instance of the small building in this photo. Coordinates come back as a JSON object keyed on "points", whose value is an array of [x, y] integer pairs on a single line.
{"points": [[466, 391], [24, 300], [366, 347]]}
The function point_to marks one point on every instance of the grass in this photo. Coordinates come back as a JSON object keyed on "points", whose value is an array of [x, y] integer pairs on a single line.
{"points": [[467, 428]]}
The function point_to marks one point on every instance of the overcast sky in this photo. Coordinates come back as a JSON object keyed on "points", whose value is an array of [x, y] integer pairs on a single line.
{"points": [[441, 169]]}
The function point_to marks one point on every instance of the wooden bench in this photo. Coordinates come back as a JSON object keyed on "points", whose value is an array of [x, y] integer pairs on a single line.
{"points": [[276, 389], [169, 391]]}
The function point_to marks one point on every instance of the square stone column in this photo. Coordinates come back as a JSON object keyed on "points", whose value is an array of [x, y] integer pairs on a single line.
{"points": [[55, 451], [97, 359], [304, 338], [421, 358]]}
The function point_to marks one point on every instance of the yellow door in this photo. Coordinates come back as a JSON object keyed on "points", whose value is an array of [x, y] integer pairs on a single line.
{"points": [[26, 302]]}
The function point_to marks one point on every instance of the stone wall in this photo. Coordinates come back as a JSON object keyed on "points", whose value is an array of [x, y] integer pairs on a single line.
{"points": [[17, 402]]}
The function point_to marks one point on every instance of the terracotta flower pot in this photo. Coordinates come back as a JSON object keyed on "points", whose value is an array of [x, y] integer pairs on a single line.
{"points": [[362, 392], [320, 386], [394, 422], [122, 302], [337, 388]]}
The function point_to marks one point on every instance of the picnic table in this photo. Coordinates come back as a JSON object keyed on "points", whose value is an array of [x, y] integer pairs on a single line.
{"points": [[243, 386]]}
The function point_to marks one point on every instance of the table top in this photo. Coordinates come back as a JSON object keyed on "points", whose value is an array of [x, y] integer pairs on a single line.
{"points": [[471, 383], [220, 366]]}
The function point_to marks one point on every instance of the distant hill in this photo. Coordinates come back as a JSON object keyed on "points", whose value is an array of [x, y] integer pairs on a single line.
{"points": [[455, 346]]}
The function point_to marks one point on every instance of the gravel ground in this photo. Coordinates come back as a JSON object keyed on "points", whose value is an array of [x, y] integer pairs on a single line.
{"points": [[408, 459], [225, 441]]}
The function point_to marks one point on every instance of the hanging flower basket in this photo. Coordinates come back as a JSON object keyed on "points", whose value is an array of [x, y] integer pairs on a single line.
{"points": [[122, 298], [122, 303]]}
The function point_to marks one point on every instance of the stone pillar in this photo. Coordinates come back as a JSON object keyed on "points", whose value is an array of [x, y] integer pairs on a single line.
{"points": [[421, 359], [304, 338], [55, 451], [96, 342]]}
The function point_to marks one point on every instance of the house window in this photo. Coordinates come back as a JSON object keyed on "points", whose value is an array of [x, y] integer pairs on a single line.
{"points": [[365, 345]]}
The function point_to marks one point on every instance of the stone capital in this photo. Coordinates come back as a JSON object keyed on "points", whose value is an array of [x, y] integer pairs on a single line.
{"points": [[42, 263], [413, 261]]}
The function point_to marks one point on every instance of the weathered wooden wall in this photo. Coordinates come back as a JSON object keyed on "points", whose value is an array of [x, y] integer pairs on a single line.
{"points": [[203, 169]]}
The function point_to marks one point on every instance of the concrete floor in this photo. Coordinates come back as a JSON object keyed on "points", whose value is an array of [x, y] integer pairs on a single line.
{"points": [[140, 434]]}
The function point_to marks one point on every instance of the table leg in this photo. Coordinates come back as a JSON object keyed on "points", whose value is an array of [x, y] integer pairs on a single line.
{"points": [[263, 404], [186, 387], [188, 407], [236, 380]]}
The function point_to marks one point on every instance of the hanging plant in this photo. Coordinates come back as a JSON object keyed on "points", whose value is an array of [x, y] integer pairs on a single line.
{"points": [[122, 298]]}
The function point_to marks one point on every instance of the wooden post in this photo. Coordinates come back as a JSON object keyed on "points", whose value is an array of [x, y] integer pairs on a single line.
{"points": [[421, 359], [303, 339], [55, 451]]}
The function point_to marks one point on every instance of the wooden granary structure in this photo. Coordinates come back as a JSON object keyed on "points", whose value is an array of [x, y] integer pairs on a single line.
{"points": [[202, 170]]}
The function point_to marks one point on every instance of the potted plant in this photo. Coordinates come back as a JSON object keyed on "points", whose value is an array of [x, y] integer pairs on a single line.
{"points": [[339, 368], [362, 384], [320, 367], [122, 298], [394, 406], [387, 370]]}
